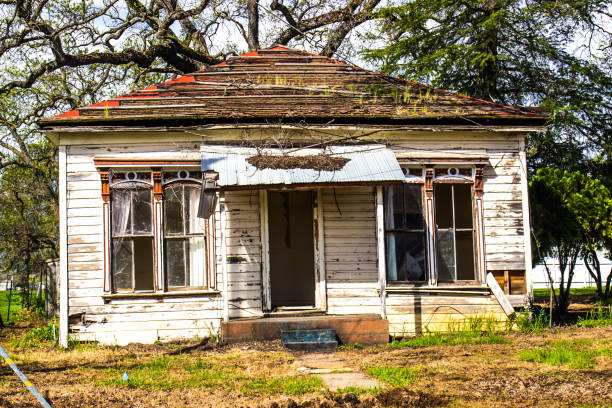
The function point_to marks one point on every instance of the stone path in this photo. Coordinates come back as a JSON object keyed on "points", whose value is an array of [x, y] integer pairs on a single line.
{"points": [[335, 372]]}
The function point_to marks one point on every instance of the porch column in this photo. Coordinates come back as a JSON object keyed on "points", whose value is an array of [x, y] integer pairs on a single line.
{"points": [[480, 250], [157, 230], [431, 228], [63, 248], [380, 239]]}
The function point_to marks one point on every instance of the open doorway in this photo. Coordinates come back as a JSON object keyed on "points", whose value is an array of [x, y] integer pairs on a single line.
{"points": [[292, 269]]}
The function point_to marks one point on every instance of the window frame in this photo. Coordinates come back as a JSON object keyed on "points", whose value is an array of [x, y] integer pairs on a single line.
{"points": [[426, 172], [388, 231], [183, 182], [158, 177]]}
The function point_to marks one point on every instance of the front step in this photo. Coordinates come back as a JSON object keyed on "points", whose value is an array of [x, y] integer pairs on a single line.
{"points": [[350, 329], [309, 340]]}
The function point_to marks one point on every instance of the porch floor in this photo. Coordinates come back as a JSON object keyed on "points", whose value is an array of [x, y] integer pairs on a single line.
{"points": [[363, 329]]}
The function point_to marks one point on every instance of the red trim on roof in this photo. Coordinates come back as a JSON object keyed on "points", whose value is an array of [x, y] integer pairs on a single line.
{"points": [[70, 114]]}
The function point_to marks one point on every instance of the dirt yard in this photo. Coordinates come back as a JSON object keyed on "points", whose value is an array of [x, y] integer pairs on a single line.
{"points": [[556, 368]]}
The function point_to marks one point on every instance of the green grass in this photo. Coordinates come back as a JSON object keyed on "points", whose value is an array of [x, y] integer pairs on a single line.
{"points": [[173, 372], [16, 314], [348, 347], [545, 293], [574, 354], [395, 376], [448, 339], [285, 385], [599, 316]]}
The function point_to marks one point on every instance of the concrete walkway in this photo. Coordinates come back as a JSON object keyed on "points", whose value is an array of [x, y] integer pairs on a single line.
{"points": [[335, 372]]}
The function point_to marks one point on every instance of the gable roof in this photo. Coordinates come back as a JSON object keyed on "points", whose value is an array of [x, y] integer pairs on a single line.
{"points": [[285, 84]]}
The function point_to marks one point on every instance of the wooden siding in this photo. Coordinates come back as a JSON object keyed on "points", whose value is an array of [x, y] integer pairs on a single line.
{"points": [[120, 320], [411, 314], [350, 250]]}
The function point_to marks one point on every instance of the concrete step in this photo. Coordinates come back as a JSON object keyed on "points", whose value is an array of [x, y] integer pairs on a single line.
{"points": [[310, 339], [350, 329]]}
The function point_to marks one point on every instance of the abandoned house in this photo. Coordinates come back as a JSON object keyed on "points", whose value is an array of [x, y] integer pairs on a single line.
{"points": [[286, 189]]}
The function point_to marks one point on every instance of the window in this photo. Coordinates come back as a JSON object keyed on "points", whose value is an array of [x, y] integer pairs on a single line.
{"points": [[132, 236], [184, 240], [154, 239], [449, 198], [454, 232], [405, 233]]}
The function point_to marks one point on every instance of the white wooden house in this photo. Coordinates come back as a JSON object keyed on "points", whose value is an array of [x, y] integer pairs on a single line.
{"points": [[341, 194]]}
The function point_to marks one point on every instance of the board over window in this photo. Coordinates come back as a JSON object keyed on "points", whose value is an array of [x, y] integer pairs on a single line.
{"points": [[433, 225], [154, 240]]}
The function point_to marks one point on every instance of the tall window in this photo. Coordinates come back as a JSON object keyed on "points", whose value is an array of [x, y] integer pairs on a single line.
{"points": [[156, 240], [405, 233], [132, 236], [184, 241], [454, 232]]}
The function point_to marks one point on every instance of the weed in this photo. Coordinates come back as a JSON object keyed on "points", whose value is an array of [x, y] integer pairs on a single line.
{"points": [[347, 347], [529, 321], [359, 390], [574, 354], [395, 376], [285, 385], [597, 317]]}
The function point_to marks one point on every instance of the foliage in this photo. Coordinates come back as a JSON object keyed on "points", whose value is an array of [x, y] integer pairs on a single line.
{"points": [[285, 385], [395, 376], [575, 354], [599, 316], [575, 218], [552, 54], [473, 330], [529, 321], [359, 390]]}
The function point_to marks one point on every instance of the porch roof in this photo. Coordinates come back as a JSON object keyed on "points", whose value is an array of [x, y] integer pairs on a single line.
{"points": [[366, 165]]}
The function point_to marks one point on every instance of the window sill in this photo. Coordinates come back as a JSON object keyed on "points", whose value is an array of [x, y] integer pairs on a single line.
{"points": [[152, 295], [473, 289]]}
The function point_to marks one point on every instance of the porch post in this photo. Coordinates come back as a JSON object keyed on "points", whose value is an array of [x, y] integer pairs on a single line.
{"points": [[526, 218], [265, 250], [480, 241], [380, 240], [63, 248], [224, 272]]}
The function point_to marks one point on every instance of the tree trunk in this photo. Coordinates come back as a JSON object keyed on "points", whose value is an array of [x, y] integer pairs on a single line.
{"points": [[253, 34]]}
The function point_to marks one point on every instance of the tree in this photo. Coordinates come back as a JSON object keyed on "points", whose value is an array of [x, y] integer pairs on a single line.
{"points": [[575, 220], [556, 231], [524, 52]]}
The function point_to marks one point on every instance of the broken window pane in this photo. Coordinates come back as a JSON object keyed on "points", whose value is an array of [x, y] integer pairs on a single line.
{"points": [[122, 263], [445, 246], [173, 210], [142, 211]]}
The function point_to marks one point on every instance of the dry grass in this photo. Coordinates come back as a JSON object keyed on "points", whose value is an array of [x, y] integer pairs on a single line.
{"points": [[264, 374]]}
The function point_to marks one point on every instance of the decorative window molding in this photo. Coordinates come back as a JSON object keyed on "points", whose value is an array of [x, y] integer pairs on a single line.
{"points": [[155, 176], [427, 173]]}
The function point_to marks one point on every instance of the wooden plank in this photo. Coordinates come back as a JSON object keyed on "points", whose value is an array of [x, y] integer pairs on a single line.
{"points": [[499, 294]]}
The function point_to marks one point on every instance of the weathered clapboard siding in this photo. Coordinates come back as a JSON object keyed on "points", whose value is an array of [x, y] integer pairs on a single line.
{"points": [[349, 219], [134, 319], [410, 314]]}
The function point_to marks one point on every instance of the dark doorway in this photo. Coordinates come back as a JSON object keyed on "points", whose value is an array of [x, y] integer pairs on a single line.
{"points": [[291, 248]]}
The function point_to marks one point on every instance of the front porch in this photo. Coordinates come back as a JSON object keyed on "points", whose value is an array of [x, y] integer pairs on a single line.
{"points": [[362, 329]]}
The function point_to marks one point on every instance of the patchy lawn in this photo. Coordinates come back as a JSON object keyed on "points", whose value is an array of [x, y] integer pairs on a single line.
{"points": [[555, 368]]}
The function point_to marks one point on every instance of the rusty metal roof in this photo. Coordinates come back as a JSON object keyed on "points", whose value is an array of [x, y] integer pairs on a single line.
{"points": [[281, 83], [368, 164]]}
